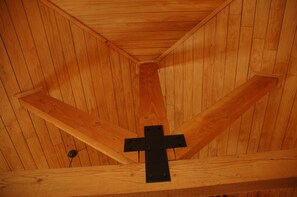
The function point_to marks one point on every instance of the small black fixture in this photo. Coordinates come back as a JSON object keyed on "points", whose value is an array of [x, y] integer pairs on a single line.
{"points": [[71, 154], [155, 144]]}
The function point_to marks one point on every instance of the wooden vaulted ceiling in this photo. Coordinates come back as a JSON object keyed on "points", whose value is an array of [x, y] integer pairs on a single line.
{"points": [[144, 29], [44, 47]]}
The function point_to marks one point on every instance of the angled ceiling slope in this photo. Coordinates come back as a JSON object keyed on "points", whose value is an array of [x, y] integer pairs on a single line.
{"points": [[144, 29]]}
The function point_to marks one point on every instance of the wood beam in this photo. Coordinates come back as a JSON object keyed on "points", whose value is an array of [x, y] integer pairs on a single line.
{"points": [[204, 127], [152, 109], [103, 136], [209, 176]]}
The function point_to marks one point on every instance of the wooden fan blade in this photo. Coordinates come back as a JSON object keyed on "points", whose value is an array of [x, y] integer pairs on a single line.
{"points": [[103, 136], [204, 127]]}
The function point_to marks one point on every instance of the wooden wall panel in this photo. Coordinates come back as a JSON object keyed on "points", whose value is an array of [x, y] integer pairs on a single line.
{"points": [[40, 48], [247, 37]]}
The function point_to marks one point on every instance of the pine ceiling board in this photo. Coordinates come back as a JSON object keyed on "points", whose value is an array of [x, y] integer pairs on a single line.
{"points": [[254, 131], [141, 17], [38, 48], [126, 21], [4, 167], [145, 27], [127, 6], [145, 51], [145, 43], [146, 57], [149, 36], [51, 26]]}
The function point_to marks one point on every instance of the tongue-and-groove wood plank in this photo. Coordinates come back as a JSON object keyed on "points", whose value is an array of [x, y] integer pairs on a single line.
{"points": [[126, 21], [30, 38], [244, 59]]}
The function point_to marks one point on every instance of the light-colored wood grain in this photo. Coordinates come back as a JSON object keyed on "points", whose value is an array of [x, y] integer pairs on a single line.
{"points": [[229, 79], [219, 73], [261, 61], [280, 67], [38, 50], [47, 68], [131, 19], [87, 154], [161, 74], [193, 30], [144, 17], [207, 125], [4, 167], [261, 18], [49, 73], [108, 83], [205, 177], [146, 27], [60, 67], [13, 42], [274, 24], [198, 71], [285, 110], [118, 87], [87, 88], [178, 86], [247, 56], [86, 28], [248, 13], [103, 136], [96, 76], [257, 124], [133, 6], [169, 91], [236, 7], [208, 71], [8, 150], [188, 80], [243, 59], [15, 133], [152, 110], [128, 92], [290, 136], [209, 60]]}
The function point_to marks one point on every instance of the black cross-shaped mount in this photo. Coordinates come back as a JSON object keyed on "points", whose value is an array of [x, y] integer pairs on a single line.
{"points": [[155, 144]]}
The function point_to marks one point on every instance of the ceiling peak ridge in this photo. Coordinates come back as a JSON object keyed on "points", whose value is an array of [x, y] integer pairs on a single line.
{"points": [[123, 52], [88, 29], [193, 30]]}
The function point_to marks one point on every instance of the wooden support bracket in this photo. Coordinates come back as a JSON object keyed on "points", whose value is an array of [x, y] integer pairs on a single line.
{"points": [[204, 127], [101, 135]]}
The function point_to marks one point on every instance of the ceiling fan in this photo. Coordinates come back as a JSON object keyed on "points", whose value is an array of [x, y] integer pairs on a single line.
{"points": [[110, 139]]}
